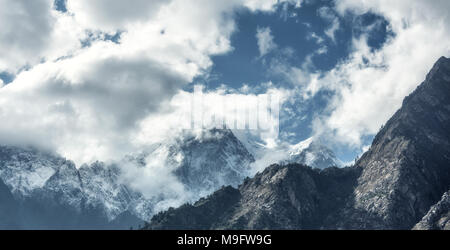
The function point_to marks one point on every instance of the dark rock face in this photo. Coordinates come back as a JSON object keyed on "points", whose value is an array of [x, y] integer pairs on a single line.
{"points": [[281, 197], [200, 214], [392, 186], [438, 218], [407, 169]]}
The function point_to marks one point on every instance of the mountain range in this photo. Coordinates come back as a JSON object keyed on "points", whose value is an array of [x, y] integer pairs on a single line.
{"points": [[401, 182], [41, 190]]}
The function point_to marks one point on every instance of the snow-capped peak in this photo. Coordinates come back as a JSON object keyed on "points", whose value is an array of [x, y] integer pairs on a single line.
{"points": [[313, 153], [300, 147]]}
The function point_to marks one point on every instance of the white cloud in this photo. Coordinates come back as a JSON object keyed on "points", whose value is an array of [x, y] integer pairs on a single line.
{"points": [[323, 49], [34, 31], [157, 180], [328, 14], [315, 37], [371, 85], [268, 5], [221, 105], [264, 5], [265, 41], [111, 15]]}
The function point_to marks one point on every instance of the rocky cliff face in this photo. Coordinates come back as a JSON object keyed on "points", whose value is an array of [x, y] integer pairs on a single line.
{"points": [[407, 168], [392, 186], [281, 197], [438, 218]]}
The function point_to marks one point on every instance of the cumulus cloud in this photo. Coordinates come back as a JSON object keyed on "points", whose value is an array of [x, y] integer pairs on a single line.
{"points": [[371, 84]]}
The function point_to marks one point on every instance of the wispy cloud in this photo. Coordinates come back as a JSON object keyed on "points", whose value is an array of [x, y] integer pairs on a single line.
{"points": [[265, 41], [334, 25]]}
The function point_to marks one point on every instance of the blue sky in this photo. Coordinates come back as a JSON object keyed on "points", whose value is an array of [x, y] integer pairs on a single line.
{"points": [[292, 28]]}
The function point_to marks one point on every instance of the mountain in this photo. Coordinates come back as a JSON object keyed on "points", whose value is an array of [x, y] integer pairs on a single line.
{"points": [[203, 161], [210, 160], [314, 154], [45, 191], [392, 186], [104, 190], [49, 192]]}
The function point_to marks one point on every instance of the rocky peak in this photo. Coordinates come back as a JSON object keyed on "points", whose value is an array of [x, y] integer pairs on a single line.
{"points": [[210, 160]]}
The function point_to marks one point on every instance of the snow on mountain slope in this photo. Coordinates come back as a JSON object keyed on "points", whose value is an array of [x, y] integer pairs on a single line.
{"points": [[212, 159], [31, 174], [200, 161], [102, 189], [184, 168], [24, 170], [65, 187], [252, 142], [314, 154], [309, 152]]}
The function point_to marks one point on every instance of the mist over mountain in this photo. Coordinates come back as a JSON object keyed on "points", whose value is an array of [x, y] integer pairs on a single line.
{"points": [[397, 183], [310, 152]]}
